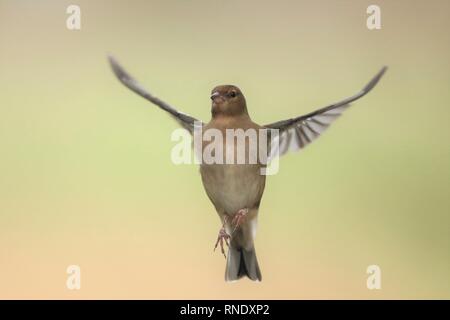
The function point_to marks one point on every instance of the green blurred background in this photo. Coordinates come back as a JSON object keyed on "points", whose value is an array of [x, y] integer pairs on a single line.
{"points": [[86, 176]]}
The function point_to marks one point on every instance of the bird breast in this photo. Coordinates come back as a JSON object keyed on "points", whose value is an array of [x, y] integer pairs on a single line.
{"points": [[233, 186]]}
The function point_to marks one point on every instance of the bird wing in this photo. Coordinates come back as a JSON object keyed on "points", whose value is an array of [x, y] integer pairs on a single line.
{"points": [[183, 119], [297, 133]]}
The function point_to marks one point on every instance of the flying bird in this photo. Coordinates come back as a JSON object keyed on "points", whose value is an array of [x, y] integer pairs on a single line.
{"points": [[236, 189]]}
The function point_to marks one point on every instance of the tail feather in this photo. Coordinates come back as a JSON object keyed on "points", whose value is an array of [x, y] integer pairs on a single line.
{"points": [[241, 262]]}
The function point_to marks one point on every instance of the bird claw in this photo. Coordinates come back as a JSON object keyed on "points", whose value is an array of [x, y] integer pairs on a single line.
{"points": [[238, 218], [221, 238]]}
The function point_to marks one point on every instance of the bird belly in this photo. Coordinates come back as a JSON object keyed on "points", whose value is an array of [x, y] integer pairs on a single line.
{"points": [[232, 187]]}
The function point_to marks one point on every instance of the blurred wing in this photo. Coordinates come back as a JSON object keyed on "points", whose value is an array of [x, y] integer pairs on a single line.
{"points": [[184, 120], [297, 133]]}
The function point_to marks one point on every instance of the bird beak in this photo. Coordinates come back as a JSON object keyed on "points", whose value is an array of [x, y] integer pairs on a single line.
{"points": [[214, 95]]}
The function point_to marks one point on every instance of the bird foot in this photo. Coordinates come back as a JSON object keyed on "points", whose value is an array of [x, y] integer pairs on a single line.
{"points": [[238, 218], [221, 238]]}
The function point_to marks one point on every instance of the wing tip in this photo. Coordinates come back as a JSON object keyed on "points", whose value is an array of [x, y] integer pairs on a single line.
{"points": [[382, 71], [112, 61], [117, 68], [375, 79]]}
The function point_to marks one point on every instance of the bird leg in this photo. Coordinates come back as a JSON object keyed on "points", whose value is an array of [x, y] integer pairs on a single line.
{"points": [[222, 237], [238, 218]]}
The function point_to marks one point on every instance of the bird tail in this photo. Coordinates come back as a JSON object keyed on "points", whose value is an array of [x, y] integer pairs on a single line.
{"points": [[242, 262]]}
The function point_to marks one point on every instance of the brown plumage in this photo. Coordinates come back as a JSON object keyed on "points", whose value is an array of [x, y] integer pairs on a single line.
{"points": [[232, 187], [236, 189]]}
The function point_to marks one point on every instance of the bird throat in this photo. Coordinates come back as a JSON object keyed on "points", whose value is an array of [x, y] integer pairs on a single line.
{"points": [[231, 111]]}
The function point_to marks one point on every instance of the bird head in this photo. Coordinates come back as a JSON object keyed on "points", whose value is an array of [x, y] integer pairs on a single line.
{"points": [[228, 100]]}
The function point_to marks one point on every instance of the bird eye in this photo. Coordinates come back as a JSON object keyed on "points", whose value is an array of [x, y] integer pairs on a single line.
{"points": [[233, 94]]}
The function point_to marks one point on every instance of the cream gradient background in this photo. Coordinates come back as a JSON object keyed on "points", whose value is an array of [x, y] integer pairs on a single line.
{"points": [[85, 170]]}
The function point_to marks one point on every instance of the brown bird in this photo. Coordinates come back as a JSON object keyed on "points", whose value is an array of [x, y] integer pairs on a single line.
{"points": [[236, 189]]}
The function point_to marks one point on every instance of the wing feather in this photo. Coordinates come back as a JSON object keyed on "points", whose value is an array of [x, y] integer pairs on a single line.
{"points": [[303, 130], [126, 79]]}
